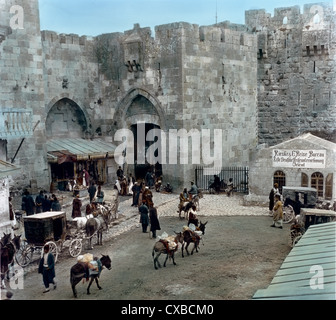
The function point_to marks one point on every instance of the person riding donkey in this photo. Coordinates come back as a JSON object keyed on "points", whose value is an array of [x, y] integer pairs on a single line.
{"points": [[183, 200], [193, 190]]}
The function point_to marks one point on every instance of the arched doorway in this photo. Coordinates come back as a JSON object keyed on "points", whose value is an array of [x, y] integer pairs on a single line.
{"points": [[140, 112], [141, 169], [143, 117]]}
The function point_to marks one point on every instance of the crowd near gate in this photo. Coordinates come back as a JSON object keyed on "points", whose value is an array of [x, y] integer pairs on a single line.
{"points": [[204, 177]]}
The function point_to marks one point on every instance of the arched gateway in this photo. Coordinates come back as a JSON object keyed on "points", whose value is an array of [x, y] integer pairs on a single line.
{"points": [[140, 112], [70, 150]]}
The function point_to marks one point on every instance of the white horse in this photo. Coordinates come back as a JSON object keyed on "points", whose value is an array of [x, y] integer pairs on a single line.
{"points": [[81, 221]]}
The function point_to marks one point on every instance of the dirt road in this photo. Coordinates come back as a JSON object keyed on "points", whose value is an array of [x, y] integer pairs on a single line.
{"points": [[239, 255]]}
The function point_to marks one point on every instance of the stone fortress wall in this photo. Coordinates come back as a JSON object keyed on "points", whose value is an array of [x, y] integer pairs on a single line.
{"points": [[296, 71], [258, 82]]}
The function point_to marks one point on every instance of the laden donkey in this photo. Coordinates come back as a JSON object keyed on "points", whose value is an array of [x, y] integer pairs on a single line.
{"points": [[81, 270], [190, 236], [162, 246]]}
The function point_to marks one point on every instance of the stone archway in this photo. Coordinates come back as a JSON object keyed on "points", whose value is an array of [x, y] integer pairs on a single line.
{"points": [[139, 111], [125, 116], [66, 119]]}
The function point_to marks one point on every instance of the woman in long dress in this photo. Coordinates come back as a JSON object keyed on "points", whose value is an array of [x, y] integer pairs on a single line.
{"points": [[277, 213]]}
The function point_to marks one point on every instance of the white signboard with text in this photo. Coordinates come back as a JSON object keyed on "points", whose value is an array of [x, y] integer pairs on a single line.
{"points": [[287, 158]]}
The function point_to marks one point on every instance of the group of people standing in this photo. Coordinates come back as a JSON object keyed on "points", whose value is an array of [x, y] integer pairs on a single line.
{"points": [[42, 203], [149, 216], [147, 211]]}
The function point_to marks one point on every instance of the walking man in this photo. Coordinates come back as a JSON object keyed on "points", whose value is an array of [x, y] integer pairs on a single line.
{"points": [[144, 219], [47, 268], [154, 221], [92, 191]]}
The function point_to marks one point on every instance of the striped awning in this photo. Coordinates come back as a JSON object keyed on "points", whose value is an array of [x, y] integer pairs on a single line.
{"points": [[71, 150]]}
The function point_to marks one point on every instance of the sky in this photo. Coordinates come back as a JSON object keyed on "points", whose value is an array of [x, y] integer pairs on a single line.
{"points": [[94, 17]]}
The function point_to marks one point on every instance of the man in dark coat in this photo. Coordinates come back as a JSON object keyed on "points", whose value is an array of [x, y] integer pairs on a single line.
{"points": [[47, 268], [120, 172], [154, 221], [92, 191], [136, 192], [46, 204], [39, 202], [30, 204], [144, 219]]}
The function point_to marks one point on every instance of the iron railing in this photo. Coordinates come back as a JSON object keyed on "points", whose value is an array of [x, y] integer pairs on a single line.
{"points": [[204, 177]]}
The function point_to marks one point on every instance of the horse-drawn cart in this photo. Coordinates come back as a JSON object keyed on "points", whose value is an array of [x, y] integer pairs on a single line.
{"points": [[45, 228]]}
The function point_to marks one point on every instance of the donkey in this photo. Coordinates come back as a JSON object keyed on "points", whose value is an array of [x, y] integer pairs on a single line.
{"points": [[190, 236], [97, 224], [161, 246], [81, 270]]}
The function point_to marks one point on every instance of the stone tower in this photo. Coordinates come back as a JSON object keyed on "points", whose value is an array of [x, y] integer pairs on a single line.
{"points": [[22, 91], [296, 71]]}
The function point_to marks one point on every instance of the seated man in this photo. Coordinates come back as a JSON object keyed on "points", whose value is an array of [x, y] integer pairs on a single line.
{"points": [[193, 190]]}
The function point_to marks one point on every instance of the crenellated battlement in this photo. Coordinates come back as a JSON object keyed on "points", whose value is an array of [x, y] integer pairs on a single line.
{"points": [[75, 39], [314, 16]]}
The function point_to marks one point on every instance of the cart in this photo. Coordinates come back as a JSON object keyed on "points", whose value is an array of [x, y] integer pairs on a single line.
{"points": [[45, 228]]}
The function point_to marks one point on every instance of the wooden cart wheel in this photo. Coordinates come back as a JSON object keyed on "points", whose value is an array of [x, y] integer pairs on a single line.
{"points": [[288, 214], [75, 247], [53, 249], [24, 255]]}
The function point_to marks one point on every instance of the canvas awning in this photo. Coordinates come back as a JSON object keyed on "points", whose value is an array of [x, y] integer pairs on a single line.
{"points": [[71, 150], [7, 169]]}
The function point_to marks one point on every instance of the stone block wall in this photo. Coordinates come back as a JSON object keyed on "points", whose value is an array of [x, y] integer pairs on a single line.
{"points": [[22, 79], [262, 82], [219, 68], [296, 71]]}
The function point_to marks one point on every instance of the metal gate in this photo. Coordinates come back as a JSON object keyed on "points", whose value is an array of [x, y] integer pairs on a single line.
{"points": [[204, 177]]}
